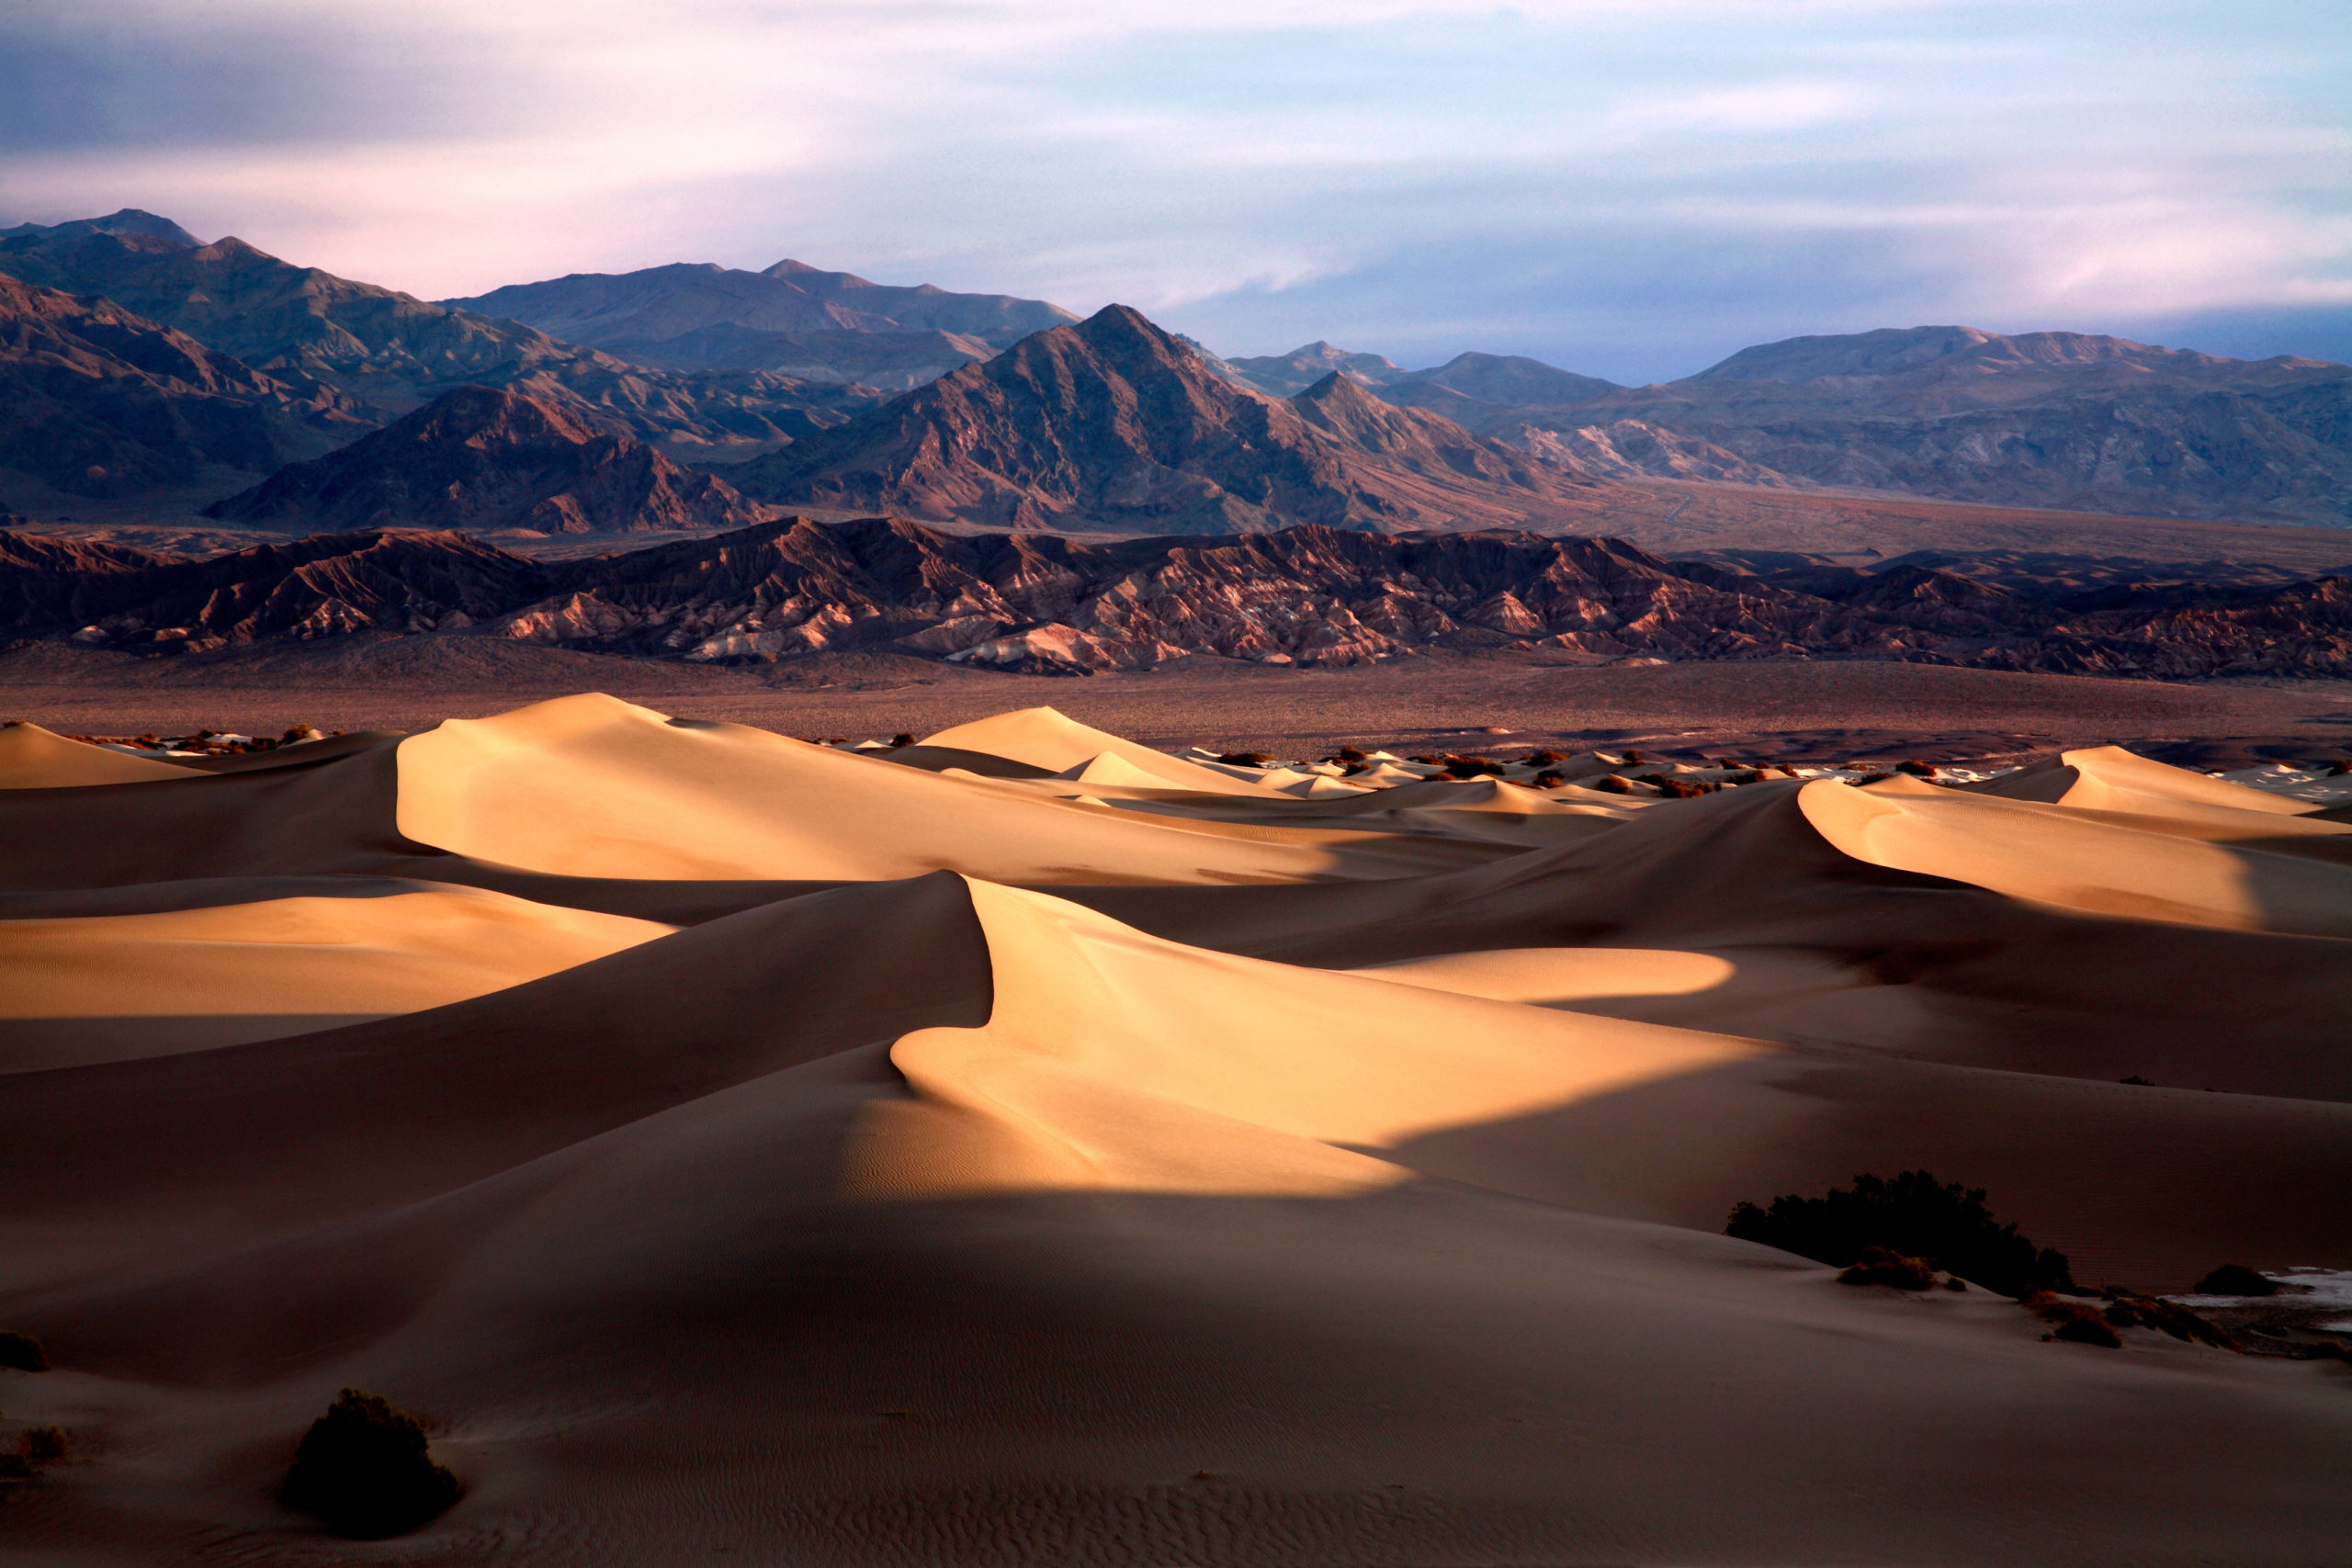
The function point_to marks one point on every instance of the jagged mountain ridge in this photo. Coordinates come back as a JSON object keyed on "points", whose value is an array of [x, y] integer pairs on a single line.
{"points": [[97, 402], [1026, 600], [489, 458], [390, 352], [1114, 423], [791, 318]]}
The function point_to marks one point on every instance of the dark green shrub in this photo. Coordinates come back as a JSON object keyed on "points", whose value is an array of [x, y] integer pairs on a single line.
{"points": [[2235, 1280], [21, 1352], [363, 1467], [1913, 1215]]}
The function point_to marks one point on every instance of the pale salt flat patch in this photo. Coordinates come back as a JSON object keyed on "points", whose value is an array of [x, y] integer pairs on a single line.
{"points": [[2298, 783]]}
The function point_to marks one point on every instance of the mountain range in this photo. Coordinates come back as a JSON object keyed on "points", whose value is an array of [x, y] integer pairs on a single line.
{"points": [[135, 359], [1046, 604], [792, 318], [2060, 420], [1113, 423], [384, 353]]}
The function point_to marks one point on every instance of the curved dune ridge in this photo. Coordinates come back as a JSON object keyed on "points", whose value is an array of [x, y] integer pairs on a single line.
{"points": [[1032, 1146]]}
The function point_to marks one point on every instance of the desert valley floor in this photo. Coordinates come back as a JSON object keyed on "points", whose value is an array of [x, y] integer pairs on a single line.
{"points": [[1030, 1146]]}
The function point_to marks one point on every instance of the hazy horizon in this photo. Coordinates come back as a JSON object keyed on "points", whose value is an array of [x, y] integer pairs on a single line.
{"points": [[1628, 191]]}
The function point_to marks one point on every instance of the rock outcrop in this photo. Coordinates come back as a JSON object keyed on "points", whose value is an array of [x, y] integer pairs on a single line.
{"points": [[1046, 604], [489, 460]]}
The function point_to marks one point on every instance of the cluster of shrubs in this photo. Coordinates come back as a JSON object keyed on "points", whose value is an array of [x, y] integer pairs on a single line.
{"points": [[2234, 1280], [208, 742], [1912, 1215], [2095, 1321], [1878, 1266], [366, 1469], [35, 1446]]}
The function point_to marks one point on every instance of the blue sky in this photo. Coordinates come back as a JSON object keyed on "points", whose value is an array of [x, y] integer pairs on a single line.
{"points": [[1629, 189]]}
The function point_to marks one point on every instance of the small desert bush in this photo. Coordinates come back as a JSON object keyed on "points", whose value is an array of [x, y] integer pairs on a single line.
{"points": [[1877, 1266], [2234, 1280], [1543, 758], [1912, 1215], [1245, 759], [1472, 767], [905, 738], [2088, 1331], [1548, 779], [1348, 754], [1609, 783], [1916, 768], [41, 1445], [22, 1352], [365, 1468]]}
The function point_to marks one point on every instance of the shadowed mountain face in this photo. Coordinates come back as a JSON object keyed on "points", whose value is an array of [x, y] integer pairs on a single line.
{"points": [[1114, 423], [97, 402], [1048, 604], [792, 318], [484, 459], [388, 352]]}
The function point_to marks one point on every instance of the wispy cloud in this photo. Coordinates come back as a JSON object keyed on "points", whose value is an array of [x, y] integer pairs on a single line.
{"points": [[1633, 187]]}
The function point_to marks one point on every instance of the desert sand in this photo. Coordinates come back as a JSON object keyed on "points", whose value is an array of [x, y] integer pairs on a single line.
{"points": [[1032, 1146]]}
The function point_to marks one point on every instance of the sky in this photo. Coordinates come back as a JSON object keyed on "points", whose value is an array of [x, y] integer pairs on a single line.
{"points": [[1629, 188]]}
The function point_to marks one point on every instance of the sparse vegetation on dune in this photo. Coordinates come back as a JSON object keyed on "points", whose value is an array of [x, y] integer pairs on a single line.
{"points": [[1912, 1215]]}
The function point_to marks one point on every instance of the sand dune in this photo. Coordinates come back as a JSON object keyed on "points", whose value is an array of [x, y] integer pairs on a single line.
{"points": [[102, 987], [32, 758], [1041, 1148], [588, 786]]}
